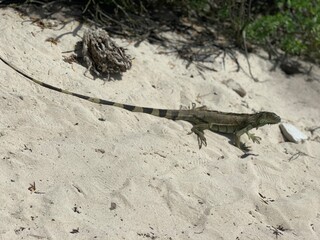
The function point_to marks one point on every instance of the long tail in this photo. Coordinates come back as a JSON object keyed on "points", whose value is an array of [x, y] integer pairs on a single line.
{"points": [[170, 114]]}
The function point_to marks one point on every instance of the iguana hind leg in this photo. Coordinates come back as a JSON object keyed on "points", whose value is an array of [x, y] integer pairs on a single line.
{"points": [[198, 130]]}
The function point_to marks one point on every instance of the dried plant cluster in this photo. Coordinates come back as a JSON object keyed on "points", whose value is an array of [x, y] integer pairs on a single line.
{"points": [[102, 55]]}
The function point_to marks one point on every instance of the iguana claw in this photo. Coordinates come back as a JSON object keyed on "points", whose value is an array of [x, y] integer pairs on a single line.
{"points": [[254, 138], [202, 140], [200, 136]]}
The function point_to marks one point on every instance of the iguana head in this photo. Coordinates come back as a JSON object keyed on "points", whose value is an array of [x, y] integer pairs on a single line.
{"points": [[263, 118]]}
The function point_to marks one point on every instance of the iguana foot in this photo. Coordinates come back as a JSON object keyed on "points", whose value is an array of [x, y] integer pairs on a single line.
{"points": [[202, 141], [254, 138], [200, 136], [245, 148], [201, 108], [240, 145]]}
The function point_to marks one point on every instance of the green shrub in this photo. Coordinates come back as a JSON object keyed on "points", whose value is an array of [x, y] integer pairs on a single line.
{"points": [[295, 28], [291, 25]]}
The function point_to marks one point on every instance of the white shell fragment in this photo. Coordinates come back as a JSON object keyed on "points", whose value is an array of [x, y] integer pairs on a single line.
{"points": [[291, 133]]}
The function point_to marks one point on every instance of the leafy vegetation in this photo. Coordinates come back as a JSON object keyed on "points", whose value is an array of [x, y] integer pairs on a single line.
{"points": [[295, 28], [290, 25]]}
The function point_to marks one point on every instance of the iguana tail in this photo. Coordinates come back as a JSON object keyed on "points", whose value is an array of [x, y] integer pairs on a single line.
{"points": [[170, 114]]}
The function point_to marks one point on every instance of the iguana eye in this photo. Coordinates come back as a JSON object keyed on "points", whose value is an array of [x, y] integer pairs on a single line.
{"points": [[262, 119]]}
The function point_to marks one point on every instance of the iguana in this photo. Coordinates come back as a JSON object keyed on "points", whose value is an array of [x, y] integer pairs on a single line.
{"points": [[201, 118]]}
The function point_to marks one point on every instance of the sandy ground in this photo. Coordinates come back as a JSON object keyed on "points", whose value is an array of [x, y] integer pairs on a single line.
{"points": [[105, 173]]}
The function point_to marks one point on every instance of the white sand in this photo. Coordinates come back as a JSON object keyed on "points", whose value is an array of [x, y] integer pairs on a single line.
{"points": [[162, 185]]}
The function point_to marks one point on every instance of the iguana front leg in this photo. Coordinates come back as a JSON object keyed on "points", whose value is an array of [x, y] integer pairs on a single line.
{"points": [[253, 137], [198, 130]]}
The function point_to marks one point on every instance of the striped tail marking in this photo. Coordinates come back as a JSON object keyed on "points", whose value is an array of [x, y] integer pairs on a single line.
{"points": [[170, 114]]}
